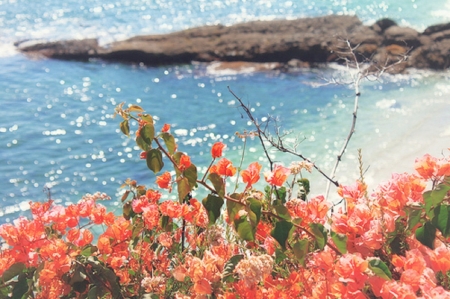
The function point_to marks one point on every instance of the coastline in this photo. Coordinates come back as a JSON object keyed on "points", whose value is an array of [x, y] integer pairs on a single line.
{"points": [[269, 45]]}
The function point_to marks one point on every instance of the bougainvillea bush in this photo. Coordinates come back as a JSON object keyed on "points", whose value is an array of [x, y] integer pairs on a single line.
{"points": [[238, 241]]}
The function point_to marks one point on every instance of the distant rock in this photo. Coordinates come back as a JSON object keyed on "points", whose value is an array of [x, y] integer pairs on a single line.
{"points": [[290, 43]]}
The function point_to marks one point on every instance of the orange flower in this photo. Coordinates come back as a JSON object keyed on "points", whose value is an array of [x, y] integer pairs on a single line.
{"points": [[165, 128], [430, 167], [278, 176], [350, 268], [216, 150], [440, 259], [165, 239], [153, 195], [171, 209], [185, 162], [251, 174], [426, 166], [73, 235], [203, 287], [223, 167], [164, 180], [86, 238], [103, 245], [151, 216]]}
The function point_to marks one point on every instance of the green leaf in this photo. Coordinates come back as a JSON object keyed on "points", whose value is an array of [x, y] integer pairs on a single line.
{"points": [[218, 183], [154, 160], [135, 108], [166, 223], [142, 145], [305, 184], [14, 270], [426, 234], [20, 288], [138, 226], [413, 215], [283, 212], [169, 140], [303, 189], [183, 188], [147, 118], [92, 294], [244, 228], [107, 277], [78, 275], [340, 240], [125, 195], [191, 174], [433, 198], [255, 211], [282, 231], [380, 269], [397, 245], [281, 194], [228, 269], [279, 256], [88, 250], [233, 207], [125, 127], [127, 210], [320, 234], [441, 219], [300, 250], [213, 204], [147, 133]]}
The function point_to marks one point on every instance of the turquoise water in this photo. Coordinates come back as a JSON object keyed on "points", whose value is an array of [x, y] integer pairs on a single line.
{"points": [[57, 128]]}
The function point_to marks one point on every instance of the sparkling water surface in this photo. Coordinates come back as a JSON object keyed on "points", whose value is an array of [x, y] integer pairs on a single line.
{"points": [[57, 128]]}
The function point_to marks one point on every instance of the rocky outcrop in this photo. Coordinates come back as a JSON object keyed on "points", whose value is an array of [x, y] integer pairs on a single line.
{"points": [[300, 43]]}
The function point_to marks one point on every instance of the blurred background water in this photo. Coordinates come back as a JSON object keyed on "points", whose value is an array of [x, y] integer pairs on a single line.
{"points": [[57, 130]]}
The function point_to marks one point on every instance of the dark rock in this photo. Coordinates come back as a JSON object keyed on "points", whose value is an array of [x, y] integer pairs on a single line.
{"points": [[436, 28], [293, 44], [435, 55], [381, 25], [402, 36], [68, 49]]}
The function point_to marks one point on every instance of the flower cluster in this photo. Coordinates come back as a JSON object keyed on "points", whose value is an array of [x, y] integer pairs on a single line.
{"points": [[244, 243], [254, 269]]}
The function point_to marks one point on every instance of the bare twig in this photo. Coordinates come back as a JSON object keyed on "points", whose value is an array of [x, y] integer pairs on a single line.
{"points": [[263, 136], [371, 70], [357, 78]]}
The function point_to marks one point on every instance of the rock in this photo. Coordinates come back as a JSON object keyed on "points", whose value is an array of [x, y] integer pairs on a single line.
{"points": [[381, 25], [290, 44], [402, 36], [69, 49], [432, 56], [436, 28]]}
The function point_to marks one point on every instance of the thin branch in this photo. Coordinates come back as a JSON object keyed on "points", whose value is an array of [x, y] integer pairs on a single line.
{"points": [[350, 133], [278, 145]]}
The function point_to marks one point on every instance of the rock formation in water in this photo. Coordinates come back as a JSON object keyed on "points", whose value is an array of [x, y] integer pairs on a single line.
{"points": [[286, 44]]}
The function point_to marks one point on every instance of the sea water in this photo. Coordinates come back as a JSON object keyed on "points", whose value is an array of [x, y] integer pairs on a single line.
{"points": [[58, 136]]}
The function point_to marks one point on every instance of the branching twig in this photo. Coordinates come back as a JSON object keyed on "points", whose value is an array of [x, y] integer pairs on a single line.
{"points": [[263, 136]]}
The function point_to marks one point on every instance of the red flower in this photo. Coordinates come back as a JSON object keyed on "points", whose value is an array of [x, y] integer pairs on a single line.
{"points": [[185, 162], [143, 155], [165, 128], [251, 174], [278, 176], [164, 180], [223, 167], [153, 195], [216, 150]]}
